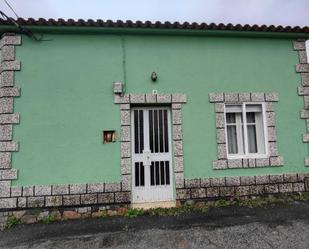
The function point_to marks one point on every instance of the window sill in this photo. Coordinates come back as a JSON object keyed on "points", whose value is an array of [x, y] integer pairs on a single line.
{"points": [[250, 156], [252, 162]]}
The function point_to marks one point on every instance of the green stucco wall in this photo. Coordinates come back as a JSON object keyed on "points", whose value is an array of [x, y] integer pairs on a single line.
{"points": [[67, 99]]}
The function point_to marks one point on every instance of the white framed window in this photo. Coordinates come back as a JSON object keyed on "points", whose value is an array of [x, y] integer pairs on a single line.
{"points": [[246, 132]]}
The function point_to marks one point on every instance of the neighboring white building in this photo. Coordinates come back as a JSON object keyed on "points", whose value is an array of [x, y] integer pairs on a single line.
{"points": [[307, 49]]}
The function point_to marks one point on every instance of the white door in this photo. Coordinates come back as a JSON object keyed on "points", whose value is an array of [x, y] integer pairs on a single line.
{"points": [[152, 174]]}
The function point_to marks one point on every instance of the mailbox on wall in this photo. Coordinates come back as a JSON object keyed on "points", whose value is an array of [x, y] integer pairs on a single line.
{"points": [[109, 136]]}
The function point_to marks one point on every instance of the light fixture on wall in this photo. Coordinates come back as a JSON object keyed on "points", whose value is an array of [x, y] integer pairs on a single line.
{"points": [[154, 76]]}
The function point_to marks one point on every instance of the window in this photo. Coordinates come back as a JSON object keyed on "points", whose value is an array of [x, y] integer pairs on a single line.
{"points": [[245, 130]]}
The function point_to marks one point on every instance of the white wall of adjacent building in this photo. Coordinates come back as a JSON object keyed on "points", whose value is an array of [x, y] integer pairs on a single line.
{"points": [[307, 49]]}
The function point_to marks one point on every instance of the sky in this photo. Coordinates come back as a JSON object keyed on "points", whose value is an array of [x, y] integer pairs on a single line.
{"points": [[276, 12]]}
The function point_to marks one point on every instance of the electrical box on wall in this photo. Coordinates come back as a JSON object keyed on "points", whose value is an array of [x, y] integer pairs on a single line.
{"points": [[118, 87], [109, 136]]}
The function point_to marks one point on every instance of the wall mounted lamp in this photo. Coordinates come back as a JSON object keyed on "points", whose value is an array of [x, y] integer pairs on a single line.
{"points": [[154, 76]]}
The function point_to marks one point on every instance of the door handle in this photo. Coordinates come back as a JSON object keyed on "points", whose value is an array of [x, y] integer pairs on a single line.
{"points": [[146, 158]]}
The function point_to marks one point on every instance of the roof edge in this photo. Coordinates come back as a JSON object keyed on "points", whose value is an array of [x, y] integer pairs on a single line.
{"points": [[147, 31], [100, 26]]}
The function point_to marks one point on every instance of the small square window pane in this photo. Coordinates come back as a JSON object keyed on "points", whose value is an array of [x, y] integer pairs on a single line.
{"points": [[230, 118], [250, 117]]}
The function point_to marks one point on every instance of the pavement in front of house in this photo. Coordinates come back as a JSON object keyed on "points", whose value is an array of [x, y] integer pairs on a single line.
{"points": [[233, 227]]}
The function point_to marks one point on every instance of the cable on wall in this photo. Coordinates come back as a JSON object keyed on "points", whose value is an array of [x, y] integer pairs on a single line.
{"points": [[21, 29]]}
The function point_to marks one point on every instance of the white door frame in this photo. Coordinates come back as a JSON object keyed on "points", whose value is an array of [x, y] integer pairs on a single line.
{"points": [[151, 193]]}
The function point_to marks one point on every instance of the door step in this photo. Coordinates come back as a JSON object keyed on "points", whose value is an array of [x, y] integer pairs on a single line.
{"points": [[158, 204]]}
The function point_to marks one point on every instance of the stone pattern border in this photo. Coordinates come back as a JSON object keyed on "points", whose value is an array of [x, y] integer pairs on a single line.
{"points": [[220, 99], [303, 90], [125, 101], [241, 186], [8, 118], [204, 189], [65, 195], [84, 203], [109, 194]]}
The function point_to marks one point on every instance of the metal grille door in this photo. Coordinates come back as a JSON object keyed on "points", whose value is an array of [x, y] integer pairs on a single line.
{"points": [[151, 155]]}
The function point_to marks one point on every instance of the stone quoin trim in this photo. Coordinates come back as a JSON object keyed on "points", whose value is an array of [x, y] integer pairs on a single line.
{"points": [[8, 118], [220, 99], [303, 90], [175, 100]]}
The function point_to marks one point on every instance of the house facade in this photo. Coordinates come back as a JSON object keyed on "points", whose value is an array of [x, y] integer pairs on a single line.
{"points": [[142, 114]]}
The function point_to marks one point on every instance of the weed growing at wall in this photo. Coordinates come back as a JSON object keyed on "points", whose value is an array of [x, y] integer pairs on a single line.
{"points": [[133, 212], [12, 222], [49, 219]]}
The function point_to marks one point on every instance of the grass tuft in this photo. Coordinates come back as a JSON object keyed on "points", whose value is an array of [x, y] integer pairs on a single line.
{"points": [[12, 222]]}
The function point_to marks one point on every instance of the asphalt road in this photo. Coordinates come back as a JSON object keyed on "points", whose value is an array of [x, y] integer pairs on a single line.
{"points": [[233, 227]]}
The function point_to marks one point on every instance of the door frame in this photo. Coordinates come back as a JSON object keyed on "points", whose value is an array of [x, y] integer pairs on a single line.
{"points": [[126, 102]]}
